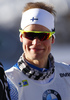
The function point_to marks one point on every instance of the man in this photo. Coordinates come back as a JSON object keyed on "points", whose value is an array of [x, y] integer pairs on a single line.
{"points": [[36, 76], [4, 91]]}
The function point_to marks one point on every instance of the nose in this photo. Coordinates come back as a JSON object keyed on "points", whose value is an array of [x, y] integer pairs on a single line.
{"points": [[36, 41]]}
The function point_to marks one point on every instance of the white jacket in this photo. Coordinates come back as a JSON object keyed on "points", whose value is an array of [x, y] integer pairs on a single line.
{"points": [[24, 88]]}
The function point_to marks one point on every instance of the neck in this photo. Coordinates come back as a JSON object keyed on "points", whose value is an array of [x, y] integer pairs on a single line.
{"points": [[42, 63]]}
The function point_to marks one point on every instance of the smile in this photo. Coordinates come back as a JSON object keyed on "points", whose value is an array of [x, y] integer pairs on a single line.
{"points": [[36, 49]]}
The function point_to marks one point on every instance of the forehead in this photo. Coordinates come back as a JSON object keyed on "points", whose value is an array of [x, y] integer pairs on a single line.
{"points": [[35, 27]]}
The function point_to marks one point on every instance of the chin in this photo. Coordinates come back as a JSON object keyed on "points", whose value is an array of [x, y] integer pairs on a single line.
{"points": [[36, 57]]}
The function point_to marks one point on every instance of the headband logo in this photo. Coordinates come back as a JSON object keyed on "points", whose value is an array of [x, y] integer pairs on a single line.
{"points": [[33, 19]]}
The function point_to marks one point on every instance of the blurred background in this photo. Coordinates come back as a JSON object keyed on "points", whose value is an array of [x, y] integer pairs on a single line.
{"points": [[10, 17]]}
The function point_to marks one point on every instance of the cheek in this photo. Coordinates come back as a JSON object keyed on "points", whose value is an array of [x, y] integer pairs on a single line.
{"points": [[47, 43], [26, 43]]}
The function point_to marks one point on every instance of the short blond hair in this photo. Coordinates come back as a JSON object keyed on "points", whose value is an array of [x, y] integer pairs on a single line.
{"points": [[40, 5]]}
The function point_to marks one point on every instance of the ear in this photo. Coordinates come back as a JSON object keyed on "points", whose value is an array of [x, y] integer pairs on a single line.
{"points": [[53, 39], [21, 38]]}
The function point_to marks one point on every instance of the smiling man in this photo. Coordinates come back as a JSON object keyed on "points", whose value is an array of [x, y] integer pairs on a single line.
{"points": [[37, 50], [36, 76]]}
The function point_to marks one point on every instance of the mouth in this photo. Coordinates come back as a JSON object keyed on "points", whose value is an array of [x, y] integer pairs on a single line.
{"points": [[37, 49]]}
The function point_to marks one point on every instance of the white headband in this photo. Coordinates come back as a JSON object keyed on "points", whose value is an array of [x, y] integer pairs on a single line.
{"points": [[37, 16]]}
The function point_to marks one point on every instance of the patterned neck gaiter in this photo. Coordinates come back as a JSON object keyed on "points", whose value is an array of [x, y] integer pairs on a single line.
{"points": [[34, 73]]}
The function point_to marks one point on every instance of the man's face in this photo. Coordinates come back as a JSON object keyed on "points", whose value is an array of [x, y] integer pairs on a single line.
{"points": [[36, 49]]}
